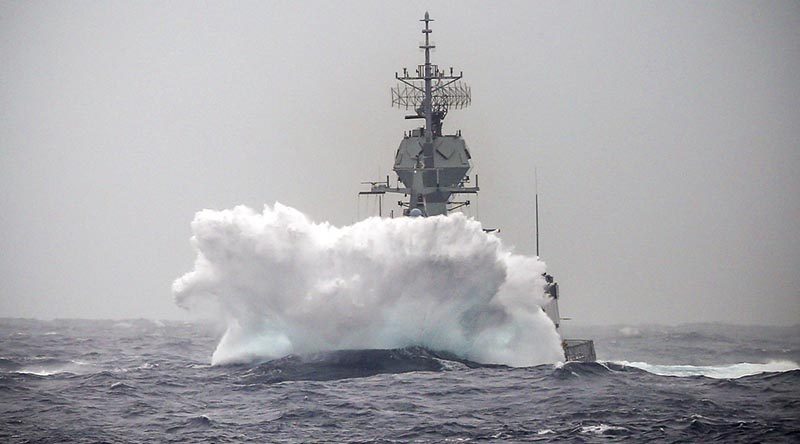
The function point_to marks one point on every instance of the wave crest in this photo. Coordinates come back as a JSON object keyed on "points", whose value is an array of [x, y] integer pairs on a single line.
{"points": [[730, 371]]}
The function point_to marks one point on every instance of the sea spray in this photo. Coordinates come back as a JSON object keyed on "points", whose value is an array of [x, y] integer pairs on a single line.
{"points": [[284, 284]]}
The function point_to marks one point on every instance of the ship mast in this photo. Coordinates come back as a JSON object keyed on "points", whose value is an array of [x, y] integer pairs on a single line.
{"points": [[427, 102], [438, 91], [432, 167]]}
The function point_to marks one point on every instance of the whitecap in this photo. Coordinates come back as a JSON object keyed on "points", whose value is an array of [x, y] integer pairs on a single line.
{"points": [[599, 429], [728, 371]]}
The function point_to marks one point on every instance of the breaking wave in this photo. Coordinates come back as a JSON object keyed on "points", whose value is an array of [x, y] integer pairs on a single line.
{"points": [[44, 366], [731, 371], [283, 285]]}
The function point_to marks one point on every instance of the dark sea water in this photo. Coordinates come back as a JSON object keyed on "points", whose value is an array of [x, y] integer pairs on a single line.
{"points": [[144, 381]]}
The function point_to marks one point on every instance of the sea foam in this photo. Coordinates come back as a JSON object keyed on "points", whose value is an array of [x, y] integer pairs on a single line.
{"points": [[728, 371], [283, 284]]}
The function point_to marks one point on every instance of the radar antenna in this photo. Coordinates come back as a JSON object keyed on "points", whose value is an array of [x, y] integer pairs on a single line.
{"points": [[431, 92]]}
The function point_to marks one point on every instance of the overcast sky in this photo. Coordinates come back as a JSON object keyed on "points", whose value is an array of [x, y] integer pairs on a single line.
{"points": [[666, 136]]}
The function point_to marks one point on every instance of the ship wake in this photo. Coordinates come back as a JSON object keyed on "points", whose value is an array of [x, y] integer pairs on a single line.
{"points": [[283, 284]]}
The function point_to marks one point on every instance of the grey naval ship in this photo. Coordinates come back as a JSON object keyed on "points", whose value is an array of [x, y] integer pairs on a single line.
{"points": [[433, 167]]}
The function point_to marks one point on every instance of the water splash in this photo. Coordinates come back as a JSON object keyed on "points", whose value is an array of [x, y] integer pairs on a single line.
{"points": [[284, 284]]}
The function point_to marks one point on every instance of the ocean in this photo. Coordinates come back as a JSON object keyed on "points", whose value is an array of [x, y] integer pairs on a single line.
{"points": [[152, 381]]}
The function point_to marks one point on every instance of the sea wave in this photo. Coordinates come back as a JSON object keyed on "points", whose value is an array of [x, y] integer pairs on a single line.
{"points": [[50, 367], [135, 386], [727, 371], [344, 364]]}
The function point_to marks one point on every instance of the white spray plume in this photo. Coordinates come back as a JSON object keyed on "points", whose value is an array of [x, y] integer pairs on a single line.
{"points": [[284, 284]]}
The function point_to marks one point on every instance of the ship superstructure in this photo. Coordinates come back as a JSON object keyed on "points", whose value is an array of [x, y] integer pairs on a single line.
{"points": [[434, 167]]}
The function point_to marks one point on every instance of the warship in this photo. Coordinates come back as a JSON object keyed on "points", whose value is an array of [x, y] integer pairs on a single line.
{"points": [[433, 168]]}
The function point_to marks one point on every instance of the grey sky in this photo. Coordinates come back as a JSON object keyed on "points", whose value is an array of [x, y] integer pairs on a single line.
{"points": [[666, 137]]}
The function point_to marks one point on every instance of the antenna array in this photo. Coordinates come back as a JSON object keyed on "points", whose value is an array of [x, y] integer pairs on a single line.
{"points": [[446, 95], [430, 91]]}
